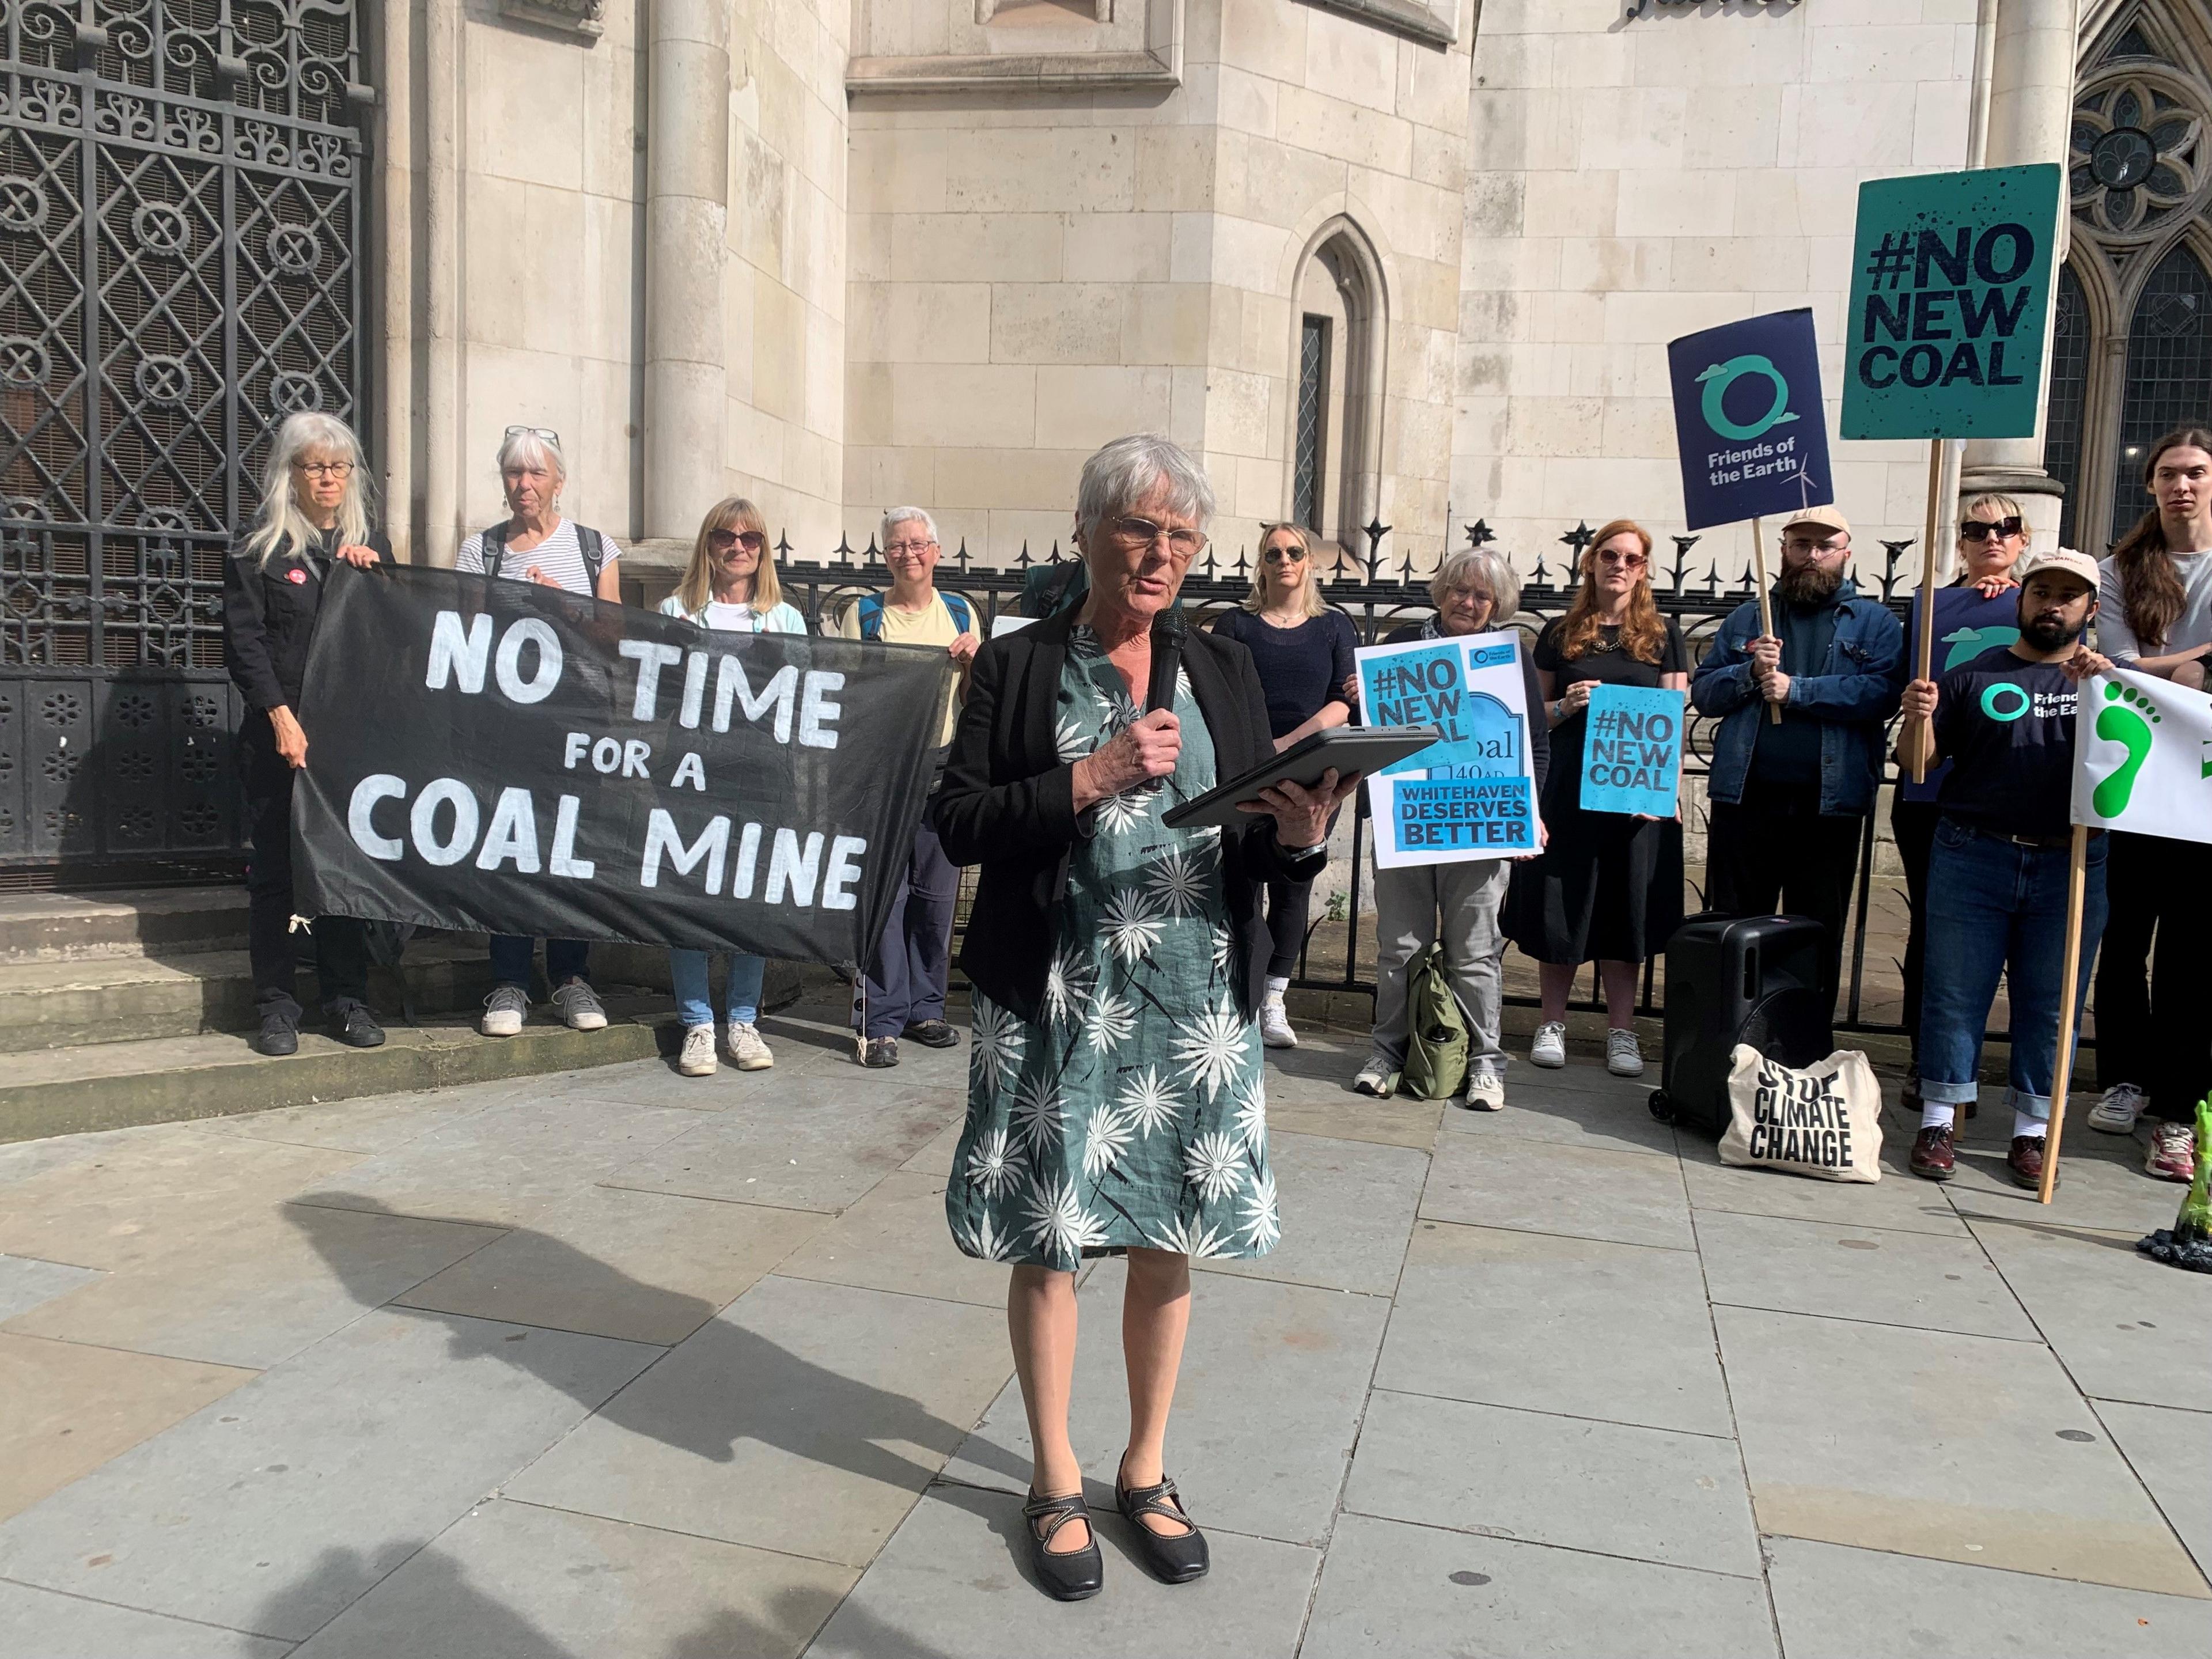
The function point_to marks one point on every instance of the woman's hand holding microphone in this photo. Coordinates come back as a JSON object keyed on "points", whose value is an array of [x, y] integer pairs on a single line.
{"points": [[1137, 754]]}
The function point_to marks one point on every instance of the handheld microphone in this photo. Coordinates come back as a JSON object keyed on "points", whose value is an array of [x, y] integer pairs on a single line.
{"points": [[1167, 661]]}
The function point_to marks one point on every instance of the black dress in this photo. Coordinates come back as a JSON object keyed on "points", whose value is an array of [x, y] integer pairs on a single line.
{"points": [[1608, 887]]}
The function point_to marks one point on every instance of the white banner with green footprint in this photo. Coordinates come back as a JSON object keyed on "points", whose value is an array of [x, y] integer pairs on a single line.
{"points": [[2143, 757]]}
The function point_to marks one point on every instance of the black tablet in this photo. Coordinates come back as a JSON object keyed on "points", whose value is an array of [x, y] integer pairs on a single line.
{"points": [[1347, 749]]}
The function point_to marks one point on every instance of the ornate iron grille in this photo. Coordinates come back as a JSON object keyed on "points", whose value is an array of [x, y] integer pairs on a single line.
{"points": [[180, 212], [2068, 399]]}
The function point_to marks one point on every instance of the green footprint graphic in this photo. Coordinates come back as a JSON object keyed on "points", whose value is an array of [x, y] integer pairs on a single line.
{"points": [[2127, 719]]}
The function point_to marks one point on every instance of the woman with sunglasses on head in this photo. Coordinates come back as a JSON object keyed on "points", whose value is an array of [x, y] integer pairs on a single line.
{"points": [[535, 544], [1302, 651], [1978, 611], [730, 585], [314, 514], [2155, 616], [1608, 885]]}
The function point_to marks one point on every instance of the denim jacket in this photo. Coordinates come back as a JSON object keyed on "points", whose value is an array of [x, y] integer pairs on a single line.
{"points": [[1854, 694]]}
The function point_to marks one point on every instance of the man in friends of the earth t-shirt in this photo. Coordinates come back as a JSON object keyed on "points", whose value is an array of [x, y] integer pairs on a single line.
{"points": [[1997, 875]]}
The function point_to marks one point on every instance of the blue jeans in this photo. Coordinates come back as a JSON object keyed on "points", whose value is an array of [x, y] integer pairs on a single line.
{"points": [[687, 971], [1995, 907], [565, 959]]}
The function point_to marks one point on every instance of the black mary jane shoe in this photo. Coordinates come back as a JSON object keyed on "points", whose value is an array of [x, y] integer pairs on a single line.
{"points": [[1172, 1557], [1066, 1575]]}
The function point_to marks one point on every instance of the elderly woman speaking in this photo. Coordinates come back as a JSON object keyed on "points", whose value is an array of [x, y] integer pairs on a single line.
{"points": [[1114, 1099]]}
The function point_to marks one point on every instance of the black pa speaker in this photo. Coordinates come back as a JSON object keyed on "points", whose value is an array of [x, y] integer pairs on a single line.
{"points": [[1731, 979]]}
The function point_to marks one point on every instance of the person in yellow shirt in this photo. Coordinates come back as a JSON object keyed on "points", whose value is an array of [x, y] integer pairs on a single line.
{"points": [[903, 995]]}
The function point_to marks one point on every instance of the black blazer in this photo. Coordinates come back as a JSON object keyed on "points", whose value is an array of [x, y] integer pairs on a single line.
{"points": [[1008, 803], [269, 617]]}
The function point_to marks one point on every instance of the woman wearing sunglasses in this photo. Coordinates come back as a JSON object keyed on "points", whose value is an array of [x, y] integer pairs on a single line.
{"points": [[729, 585], [1978, 611], [1608, 886], [1302, 650]]}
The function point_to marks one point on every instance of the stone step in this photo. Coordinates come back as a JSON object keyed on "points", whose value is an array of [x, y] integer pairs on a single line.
{"points": [[96, 1000], [114, 1085], [158, 922]]}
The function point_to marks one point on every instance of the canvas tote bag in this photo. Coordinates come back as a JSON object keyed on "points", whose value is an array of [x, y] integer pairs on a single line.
{"points": [[1824, 1121]]}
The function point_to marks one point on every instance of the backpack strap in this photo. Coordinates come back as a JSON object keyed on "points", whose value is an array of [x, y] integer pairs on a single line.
{"points": [[595, 550], [494, 548], [872, 615], [963, 619]]}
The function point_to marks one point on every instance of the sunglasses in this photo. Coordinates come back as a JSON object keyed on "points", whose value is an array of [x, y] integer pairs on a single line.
{"points": [[544, 432], [1977, 530], [1626, 561], [1286, 555], [723, 540]]}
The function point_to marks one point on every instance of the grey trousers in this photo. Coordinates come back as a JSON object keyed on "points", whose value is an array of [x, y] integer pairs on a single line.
{"points": [[1409, 906]]}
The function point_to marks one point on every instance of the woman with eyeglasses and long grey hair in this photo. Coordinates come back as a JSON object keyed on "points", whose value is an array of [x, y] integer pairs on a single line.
{"points": [[535, 544], [730, 584], [1115, 1105], [314, 513]]}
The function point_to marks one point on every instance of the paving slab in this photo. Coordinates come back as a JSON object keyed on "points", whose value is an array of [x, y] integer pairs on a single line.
{"points": [[816, 1144], [639, 1266], [509, 1166], [2101, 1184], [1520, 1319], [1537, 1186], [895, 1239], [2128, 1328], [2002, 1463], [257, 1287], [21, 1159], [954, 1583], [1346, 1207], [1651, 1494], [805, 1419], [379, 1123], [1274, 1379], [42, 1624], [1900, 1202], [1537, 1109], [511, 1581], [1389, 1590], [1857, 1272], [25, 1282], [1396, 1122], [936, 1159], [1839, 1604], [2172, 1452], [654, 1081], [65, 1409], [209, 1520]]}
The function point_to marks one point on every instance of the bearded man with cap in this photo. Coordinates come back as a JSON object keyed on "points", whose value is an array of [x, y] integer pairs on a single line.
{"points": [[1789, 798], [1997, 872]]}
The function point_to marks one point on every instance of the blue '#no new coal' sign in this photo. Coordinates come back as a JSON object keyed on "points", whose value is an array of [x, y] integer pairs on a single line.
{"points": [[1748, 419]]}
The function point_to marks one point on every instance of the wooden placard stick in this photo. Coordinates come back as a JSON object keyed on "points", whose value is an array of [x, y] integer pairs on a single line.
{"points": [[1765, 602], [1924, 646], [2077, 872]]}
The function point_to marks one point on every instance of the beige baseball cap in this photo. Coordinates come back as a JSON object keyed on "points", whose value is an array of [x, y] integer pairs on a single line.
{"points": [[1828, 518], [2078, 565]]}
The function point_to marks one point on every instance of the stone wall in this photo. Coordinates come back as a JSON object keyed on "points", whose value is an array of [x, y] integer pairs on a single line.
{"points": [[1638, 178]]}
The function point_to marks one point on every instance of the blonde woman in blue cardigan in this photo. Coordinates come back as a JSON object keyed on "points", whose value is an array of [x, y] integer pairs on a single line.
{"points": [[730, 585]]}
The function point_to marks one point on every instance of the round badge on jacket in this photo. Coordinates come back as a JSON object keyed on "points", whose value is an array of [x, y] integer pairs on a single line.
{"points": [[296, 575]]}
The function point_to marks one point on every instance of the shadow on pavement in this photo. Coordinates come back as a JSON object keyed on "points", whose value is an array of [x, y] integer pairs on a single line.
{"points": [[452, 1616]]}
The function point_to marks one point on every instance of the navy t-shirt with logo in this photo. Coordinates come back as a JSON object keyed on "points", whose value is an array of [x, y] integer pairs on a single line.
{"points": [[1966, 625], [2006, 727]]}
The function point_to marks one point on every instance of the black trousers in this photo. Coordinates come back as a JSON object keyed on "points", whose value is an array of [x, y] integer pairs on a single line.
{"points": [[341, 944], [1777, 854], [1289, 904], [1913, 823], [2152, 974]]}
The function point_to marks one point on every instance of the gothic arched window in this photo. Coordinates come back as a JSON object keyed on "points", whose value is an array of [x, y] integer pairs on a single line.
{"points": [[2168, 374], [2070, 387]]}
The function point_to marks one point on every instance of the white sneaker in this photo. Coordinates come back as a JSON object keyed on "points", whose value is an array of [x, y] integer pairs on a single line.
{"points": [[1374, 1078], [2117, 1109], [1485, 1092], [747, 1051], [504, 1010], [698, 1058], [1275, 1024], [580, 1006], [1550, 1048], [1622, 1057]]}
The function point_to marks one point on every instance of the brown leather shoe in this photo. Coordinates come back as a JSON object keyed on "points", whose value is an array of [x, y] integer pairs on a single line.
{"points": [[1931, 1158], [2025, 1160]]}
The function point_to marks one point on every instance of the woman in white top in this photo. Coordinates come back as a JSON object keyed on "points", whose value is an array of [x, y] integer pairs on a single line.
{"points": [[2154, 616], [537, 545], [730, 584]]}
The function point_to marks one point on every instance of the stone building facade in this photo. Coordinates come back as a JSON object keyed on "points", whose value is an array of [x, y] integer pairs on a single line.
{"points": [[1413, 261]]}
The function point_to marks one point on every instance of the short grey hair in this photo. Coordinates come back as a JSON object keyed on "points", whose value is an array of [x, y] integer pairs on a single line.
{"points": [[1479, 568], [523, 447], [894, 517], [1129, 469]]}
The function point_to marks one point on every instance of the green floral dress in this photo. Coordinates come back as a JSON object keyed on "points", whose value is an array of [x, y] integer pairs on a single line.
{"points": [[1133, 1112]]}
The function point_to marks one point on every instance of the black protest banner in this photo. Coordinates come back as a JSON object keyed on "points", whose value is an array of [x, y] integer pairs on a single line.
{"points": [[501, 756]]}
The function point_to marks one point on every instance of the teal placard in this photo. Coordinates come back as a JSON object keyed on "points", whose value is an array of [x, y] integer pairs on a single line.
{"points": [[1950, 291]]}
